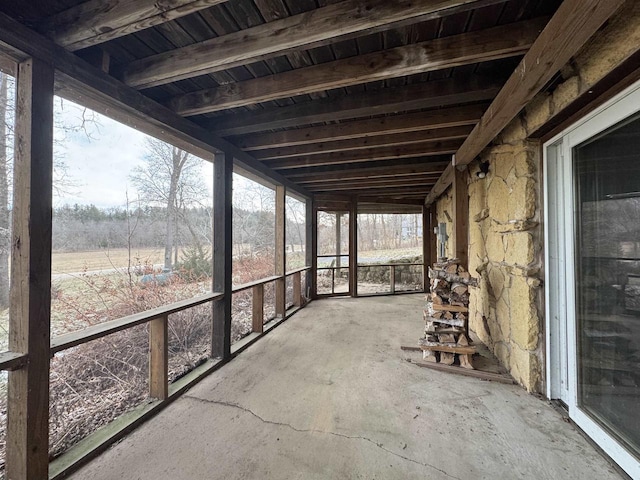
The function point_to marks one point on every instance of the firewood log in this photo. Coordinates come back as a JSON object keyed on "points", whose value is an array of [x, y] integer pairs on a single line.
{"points": [[447, 358]]}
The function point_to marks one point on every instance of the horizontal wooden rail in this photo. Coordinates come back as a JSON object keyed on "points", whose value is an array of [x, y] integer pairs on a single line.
{"points": [[73, 339], [297, 270], [249, 285], [389, 265], [12, 360]]}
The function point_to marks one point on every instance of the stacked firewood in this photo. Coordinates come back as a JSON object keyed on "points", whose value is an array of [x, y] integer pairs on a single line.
{"points": [[446, 337]]}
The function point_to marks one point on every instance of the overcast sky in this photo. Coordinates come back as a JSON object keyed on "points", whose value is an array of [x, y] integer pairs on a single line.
{"points": [[99, 165]]}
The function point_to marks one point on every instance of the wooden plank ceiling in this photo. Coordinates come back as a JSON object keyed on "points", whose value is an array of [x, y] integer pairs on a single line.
{"points": [[366, 98]]}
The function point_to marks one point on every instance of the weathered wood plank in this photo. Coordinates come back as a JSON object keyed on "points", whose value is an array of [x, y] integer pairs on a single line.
{"points": [[439, 93], [280, 254], [571, 26], [73, 339], [159, 358], [257, 308], [441, 185], [364, 183], [394, 124], [353, 247], [406, 138], [319, 26], [490, 376], [27, 448], [427, 149], [78, 81], [98, 21], [460, 218], [490, 44], [353, 172], [222, 253]]}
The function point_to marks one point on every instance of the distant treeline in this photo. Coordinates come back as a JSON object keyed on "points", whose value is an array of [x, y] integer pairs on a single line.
{"points": [[87, 227]]}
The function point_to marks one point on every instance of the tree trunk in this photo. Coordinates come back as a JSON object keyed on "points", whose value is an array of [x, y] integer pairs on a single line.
{"points": [[5, 232]]}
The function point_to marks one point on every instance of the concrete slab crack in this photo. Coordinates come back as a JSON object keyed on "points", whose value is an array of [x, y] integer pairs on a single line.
{"points": [[300, 430]]}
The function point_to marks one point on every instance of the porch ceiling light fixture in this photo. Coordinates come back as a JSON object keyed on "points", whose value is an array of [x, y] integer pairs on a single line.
{"points": [[484, 169]]}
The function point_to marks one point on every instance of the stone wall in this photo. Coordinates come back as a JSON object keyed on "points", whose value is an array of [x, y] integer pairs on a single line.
{"points": [[505, 231]]}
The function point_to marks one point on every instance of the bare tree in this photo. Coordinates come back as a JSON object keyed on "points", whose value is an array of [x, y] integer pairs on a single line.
{"points": [[169, 179]]}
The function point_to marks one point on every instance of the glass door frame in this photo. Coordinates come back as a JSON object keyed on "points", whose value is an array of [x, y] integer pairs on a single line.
{"points": [[560, 317]]}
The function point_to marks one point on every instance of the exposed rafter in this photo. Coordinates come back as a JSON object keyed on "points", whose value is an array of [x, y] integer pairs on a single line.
{"points": [[381, 170], [413, 122], [391, 140], [81, 82], [572, 25], [98, 21], [438, 93], [316, 27], [479, 46], [425, 149]]}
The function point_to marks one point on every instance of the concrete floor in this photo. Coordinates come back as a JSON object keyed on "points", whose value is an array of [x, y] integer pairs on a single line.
{"points": [[329, 395]]}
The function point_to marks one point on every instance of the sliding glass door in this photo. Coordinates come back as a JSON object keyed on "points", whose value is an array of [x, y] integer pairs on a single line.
{"points": [[593, 253]]}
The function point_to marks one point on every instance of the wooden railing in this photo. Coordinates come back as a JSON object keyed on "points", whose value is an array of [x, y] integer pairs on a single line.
{"points": [[392, 271], [391, 266], [159, 388]]}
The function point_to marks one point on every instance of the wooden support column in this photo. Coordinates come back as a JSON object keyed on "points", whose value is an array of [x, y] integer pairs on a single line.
{"points": [[426, 246], [312, 247], [222, 253], [281, 259], [433, 241], [353, 247], [461, 217], [27, 456], [297, 289], [159, 358], [257, 315]]}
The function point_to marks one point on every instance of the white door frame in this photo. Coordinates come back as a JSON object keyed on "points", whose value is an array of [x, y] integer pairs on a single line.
{"points": [[560, 285]]}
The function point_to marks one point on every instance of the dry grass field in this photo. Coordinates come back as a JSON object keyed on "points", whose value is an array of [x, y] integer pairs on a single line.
{"points": [[75, 262]]}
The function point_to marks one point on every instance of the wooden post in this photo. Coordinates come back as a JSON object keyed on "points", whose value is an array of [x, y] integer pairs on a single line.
{"points": [[27, 454], [222, 253], [338, 241], [310, 248], [159, 358], [257, 315], [461, 218], [426, 246], [392, 278], [281, 259], [433, 241], [353, 247], [297, 289]]}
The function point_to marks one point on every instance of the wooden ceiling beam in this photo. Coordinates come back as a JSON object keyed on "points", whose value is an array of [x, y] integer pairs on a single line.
{"points": [[339, 172], [354, 144], [571, 26], [93, 88], [320, 187], [467, 48], [419, 96], [314, 28], [412, 122], [426, 149], [98, 21], [444, 182], [388, 201], [398, 192]]}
